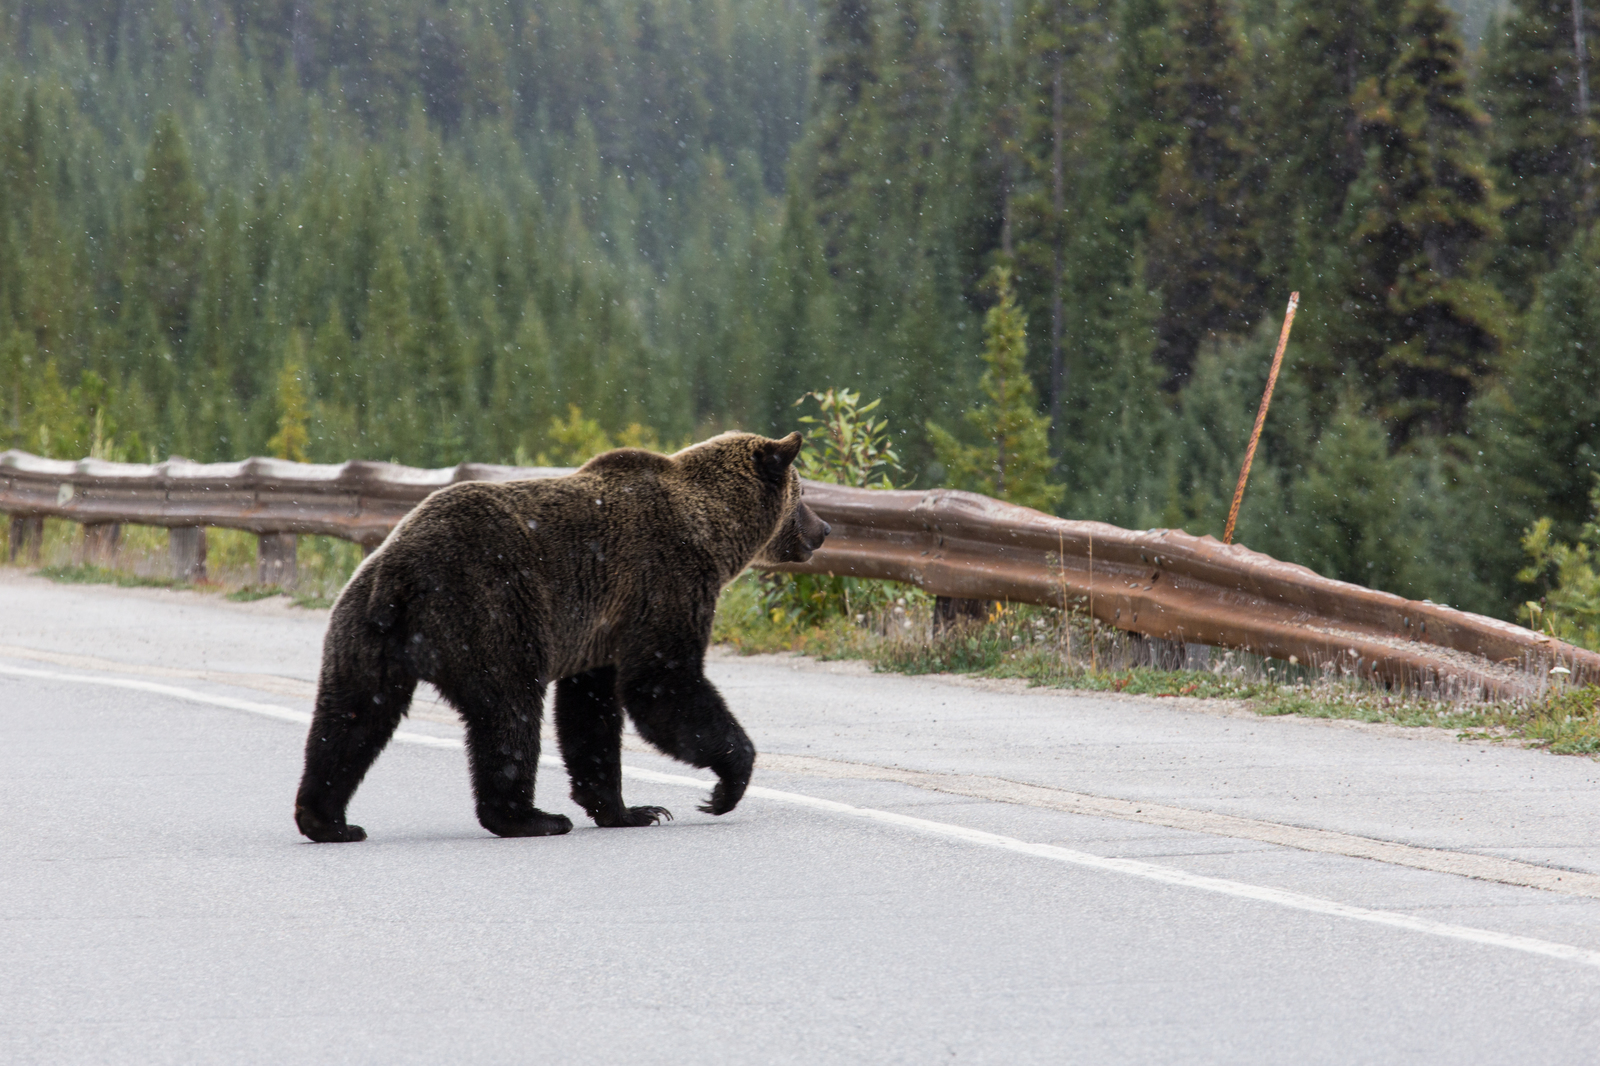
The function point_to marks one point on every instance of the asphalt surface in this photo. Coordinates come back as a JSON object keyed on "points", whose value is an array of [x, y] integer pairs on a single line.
{"points": [[158, 905]]}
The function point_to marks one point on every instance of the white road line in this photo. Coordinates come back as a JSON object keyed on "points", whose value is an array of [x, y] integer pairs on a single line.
{"points": [[1129, 867], [977, 786]]}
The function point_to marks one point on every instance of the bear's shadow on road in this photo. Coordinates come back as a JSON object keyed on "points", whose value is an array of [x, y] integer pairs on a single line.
{"points": [[380, 839]]}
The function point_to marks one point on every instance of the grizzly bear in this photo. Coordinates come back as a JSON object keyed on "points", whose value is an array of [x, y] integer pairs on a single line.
{"points": [[604, 582]]}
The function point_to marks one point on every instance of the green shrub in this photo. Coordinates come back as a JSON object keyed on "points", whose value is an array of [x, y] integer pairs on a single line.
{"points": [[849, 448], [1570, 608]]}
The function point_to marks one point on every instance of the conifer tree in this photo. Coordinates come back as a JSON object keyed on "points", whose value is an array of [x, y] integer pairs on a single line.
{"points": [[1422, 224], [1331, 48], [1204, 250], [294, 409], [1136, 122], [1062, 74], [1544, 133], [390, 423], [170, 224], [1011, 460], [1361, 530], [847, 77], [1548, 413]]}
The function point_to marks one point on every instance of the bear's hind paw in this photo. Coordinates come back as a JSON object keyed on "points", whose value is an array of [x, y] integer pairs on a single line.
{"points": [[325, 832], [720, 803], [533, 824]]}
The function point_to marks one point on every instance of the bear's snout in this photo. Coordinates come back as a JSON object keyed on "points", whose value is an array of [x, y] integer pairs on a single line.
{"points": [[813, 530]]}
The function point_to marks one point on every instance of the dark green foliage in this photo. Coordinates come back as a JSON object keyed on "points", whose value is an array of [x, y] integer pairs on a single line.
{"points": [[1427, 325], [1204, 249], [1354, 495], [1570, 606], [449, 229], [1544, 147], [1541, 426], [1210, 433], [1330, 47], [1009, 457], [1062, 68]]}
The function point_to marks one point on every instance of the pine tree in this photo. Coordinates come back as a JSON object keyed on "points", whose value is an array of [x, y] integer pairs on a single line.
{"points": [[847, 77], [1204, 250], [390, 423], [1548, 413], [1012, 461], [1544, 133], [1422, 224], [1114, 454], [1063, 70], [1331, 48], [1356, 496], [171, 221], [524, 395], [294, 409], [1136, 123]]}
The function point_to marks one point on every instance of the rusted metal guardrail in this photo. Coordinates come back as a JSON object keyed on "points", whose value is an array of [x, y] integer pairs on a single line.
{"points": [[1160, 583]]}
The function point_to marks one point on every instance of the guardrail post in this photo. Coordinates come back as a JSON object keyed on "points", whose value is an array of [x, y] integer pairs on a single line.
{"points": [[276, 554], [101, 542], [27, 535], [187, 545], [1157, 652], [949, 611]]}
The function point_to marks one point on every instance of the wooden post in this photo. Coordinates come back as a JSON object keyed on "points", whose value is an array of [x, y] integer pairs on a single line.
{"points": [[276, 555], [187, 545], [1261, 417], [27, 535], [101, 542]]}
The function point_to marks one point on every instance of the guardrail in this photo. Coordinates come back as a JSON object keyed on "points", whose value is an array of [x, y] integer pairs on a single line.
{"points": [[1161, 583]]}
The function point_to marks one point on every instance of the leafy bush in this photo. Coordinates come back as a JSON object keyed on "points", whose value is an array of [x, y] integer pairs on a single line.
{"points": [[1570, 609], [850, 448]]}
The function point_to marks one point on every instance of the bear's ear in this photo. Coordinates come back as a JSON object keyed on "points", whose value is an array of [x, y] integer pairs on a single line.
{"points": [[774, 456]]}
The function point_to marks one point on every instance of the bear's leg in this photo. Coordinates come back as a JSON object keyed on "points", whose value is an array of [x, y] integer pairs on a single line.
{"points": [[589, 727], [680, 712], [502, 721], [360, 700]]}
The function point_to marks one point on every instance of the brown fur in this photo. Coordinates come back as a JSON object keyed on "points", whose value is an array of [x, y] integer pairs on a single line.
{"points": [[603, 582]]}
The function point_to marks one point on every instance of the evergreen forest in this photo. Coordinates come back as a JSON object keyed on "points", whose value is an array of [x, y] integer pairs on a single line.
{"points": [[430, 232]]}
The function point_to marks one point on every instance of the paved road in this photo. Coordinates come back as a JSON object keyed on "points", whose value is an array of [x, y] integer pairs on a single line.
{"points": [[158, 905]]}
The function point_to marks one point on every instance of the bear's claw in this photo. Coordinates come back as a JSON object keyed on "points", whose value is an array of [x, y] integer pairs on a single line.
{"points": [[633, 816]]}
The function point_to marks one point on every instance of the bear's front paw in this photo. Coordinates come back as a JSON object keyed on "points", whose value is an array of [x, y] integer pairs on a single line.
{"points": [[532, 824], [633, 816], [327, 832]]}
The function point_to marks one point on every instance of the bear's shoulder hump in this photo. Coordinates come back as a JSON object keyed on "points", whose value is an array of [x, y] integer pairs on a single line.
{"points": [[625, 462]]}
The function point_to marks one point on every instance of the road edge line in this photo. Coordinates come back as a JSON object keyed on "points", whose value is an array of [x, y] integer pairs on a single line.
{"points": [[1128, 867]]}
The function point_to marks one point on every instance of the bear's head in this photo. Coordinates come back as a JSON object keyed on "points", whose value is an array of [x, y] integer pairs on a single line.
{"points": [[800, 532], [789, 530]]}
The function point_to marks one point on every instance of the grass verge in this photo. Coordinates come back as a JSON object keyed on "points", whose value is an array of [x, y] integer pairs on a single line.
{"points": [[1044, 648], [88, 574], [141, 560]]}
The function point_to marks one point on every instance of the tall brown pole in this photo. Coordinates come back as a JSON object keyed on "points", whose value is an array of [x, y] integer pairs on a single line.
{"points": [[1261, 417]]}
